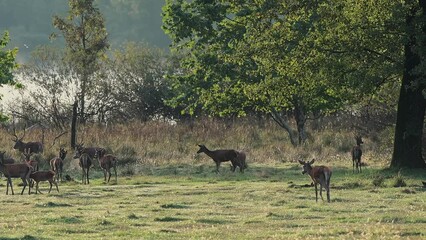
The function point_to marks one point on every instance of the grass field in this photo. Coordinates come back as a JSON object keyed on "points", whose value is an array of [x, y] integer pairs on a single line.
{"points": [[186, 201]]}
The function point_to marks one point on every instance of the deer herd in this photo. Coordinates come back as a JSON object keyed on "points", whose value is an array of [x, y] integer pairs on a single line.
{"points": [[29, 172]]}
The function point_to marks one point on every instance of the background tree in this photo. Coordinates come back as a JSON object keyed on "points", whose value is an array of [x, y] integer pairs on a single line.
{"points": [[48, 89], [86, 39], [277, 57], [133, 85], [7, 64]]}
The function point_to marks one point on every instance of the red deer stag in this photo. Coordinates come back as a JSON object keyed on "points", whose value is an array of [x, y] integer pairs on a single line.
{"points": [[319, 174], [219, 156], [107, 162], [16, 170], [85, 163], [44, 176], [34, 147], [356, 154], [57, 163]]}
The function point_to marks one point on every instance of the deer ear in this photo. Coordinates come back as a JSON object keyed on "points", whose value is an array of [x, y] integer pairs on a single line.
{"points": [[312, 161], [301, 162]]}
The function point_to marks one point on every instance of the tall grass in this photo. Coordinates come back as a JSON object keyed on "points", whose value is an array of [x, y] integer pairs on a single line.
{"points": [[158, 143]]}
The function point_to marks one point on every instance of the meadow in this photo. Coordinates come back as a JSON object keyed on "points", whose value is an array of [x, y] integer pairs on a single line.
{"points": [[167, 191]]}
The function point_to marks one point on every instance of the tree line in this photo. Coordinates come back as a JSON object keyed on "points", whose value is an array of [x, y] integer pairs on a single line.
{"points": [[286, 60]]}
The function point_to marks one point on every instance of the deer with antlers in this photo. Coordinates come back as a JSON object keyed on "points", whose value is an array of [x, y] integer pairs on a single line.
{"points": [[34, 147]]}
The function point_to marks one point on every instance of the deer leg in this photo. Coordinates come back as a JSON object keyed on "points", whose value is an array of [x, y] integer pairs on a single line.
{"points": [[50, 182], [105, 175], [321, 192], [360, 165], [56, 184], [316, 192], [25, 185], [109, 174], [115, 172], [37, 188], [217, 166], [87, 175]]}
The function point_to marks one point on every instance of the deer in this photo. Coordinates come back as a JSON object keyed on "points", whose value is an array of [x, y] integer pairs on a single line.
{"points": [[320, 175], [57, 163], [16, 170], [107, 162], [79, 149], [85, 162], [34, 147], [220, 156], [240, 161], [39, 176], [356, 154]]}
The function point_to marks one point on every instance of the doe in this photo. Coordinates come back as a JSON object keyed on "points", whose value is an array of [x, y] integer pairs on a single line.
{"points": [[319, 174], [356, 154], [107, 162]]}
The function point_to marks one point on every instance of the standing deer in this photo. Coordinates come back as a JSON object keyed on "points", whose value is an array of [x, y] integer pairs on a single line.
{"points": [[16, 170], [34, 147], [356, 154], [44, 176], [220, 156], [79, 149], [107, 162], [85, 163], [57, 163], [319, 174]]}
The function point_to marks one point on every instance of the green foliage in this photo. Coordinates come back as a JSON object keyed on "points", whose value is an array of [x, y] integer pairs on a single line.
{"points": [[7, 60], [270, 55]]}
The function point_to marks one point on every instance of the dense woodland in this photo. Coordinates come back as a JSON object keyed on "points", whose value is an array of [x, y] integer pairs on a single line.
{"points": [[355, 63]]}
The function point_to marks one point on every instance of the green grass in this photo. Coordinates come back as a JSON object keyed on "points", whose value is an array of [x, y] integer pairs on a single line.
{"points": [[268, 201]]}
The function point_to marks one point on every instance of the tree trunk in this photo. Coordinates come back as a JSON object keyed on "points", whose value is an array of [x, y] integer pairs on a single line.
{"points": [[284, 124], [84, 79], [300, 117], [74, 125], [407, 150]]}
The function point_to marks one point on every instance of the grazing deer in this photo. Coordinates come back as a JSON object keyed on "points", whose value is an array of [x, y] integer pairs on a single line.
{"points": [[16, 170], [39, 176], [220, 156], [319, 174], [356, 154], [107, 162], [57, 163], [85, 163], [34, 147]]}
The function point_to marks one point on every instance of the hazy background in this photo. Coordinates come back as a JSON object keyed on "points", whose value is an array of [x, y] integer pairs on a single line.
{"points": [[30, 22]]}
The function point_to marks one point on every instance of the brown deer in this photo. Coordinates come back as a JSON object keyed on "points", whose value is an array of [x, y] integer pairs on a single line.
{"points": [[356, 154], [57, 163], [319, 174], [79, 149], [239, 161], [16, 170], [220, 156], [34, 147], [39, 176], [85, 163], [33, 163], [107, 162]]}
